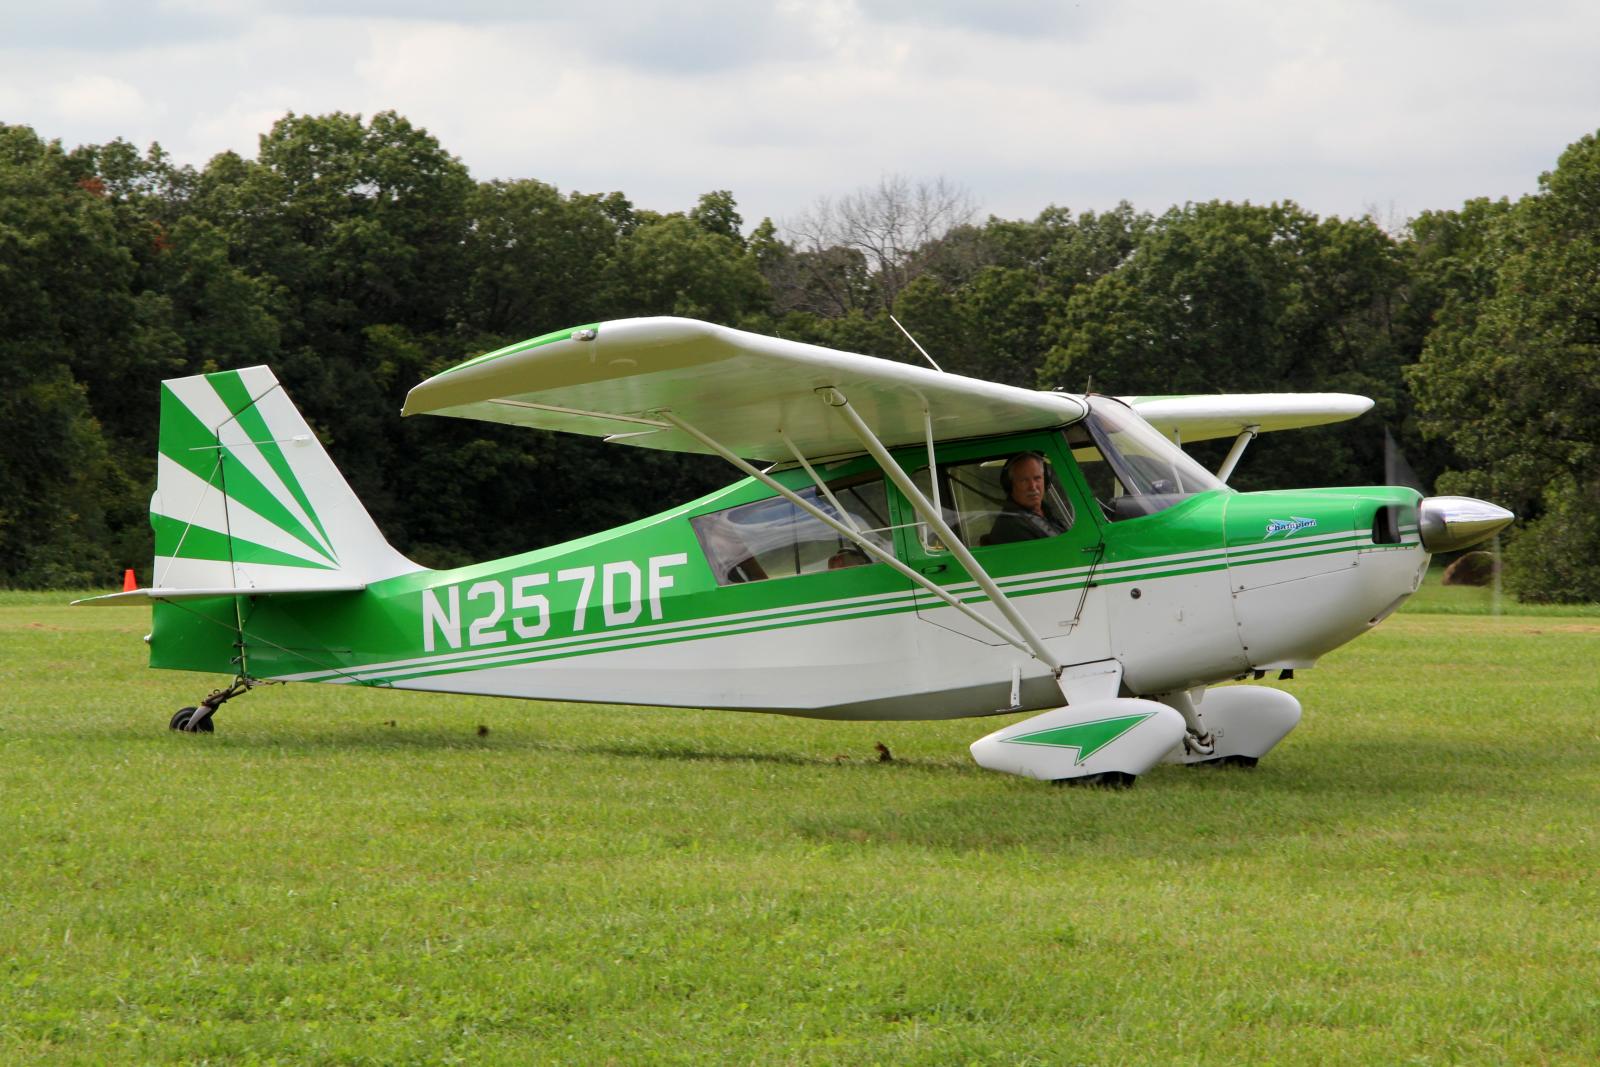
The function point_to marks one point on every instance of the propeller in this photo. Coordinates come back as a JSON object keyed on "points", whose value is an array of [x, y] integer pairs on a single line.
{"points": [[1449, 522]]}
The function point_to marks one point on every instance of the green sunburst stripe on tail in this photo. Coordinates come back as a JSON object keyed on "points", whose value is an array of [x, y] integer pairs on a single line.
{"points": [[190, 443], [231, 389], [186, 440], [176, 538]]}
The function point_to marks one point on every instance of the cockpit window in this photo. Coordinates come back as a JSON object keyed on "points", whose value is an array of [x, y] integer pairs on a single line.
{"points": [[977, 502], [775, 539], [1131, 469]]}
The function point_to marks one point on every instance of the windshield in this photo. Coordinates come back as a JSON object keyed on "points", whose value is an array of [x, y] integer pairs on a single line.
{"points": [[1131, 469]]}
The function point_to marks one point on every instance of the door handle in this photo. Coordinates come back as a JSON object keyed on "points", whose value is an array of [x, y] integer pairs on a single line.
{"points": [[935, 568]]}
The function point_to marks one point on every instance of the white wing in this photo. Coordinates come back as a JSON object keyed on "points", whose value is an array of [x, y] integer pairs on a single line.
{"points": [[742, 389], [1200, 418]]}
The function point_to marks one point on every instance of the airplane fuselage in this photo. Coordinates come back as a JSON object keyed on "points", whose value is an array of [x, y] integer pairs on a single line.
{"points": [[913, 545], [1207, 589]]}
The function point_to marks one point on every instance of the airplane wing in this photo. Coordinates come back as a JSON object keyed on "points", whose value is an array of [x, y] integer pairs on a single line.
{"points": [[1201, 418], [742, 389]]}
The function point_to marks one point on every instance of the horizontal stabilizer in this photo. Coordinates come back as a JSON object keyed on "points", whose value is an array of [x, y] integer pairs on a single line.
{"points": [[144, 596]]}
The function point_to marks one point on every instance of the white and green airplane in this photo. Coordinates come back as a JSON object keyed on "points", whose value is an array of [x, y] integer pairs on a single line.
{"points": [[906, 544]]}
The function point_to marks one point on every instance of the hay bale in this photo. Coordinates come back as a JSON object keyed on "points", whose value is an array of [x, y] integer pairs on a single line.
{"points": [[1472, 568]]}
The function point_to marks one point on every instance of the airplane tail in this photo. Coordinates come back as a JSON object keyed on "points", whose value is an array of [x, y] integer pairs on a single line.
{"points": [[247, 502]]}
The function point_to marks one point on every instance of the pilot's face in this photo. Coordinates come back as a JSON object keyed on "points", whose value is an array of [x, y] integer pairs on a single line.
{"points": [[1027, 484]]}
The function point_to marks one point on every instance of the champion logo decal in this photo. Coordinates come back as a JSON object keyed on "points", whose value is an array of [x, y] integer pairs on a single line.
{"points": [[1290, 526]]}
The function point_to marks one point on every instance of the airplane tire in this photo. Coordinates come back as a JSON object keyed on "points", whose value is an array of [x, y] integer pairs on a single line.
{"points": [[180, 721], [1103, 780], [1227, 761]]}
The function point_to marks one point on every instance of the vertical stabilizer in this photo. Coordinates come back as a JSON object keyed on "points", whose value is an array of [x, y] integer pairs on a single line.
{"points": [[246, 497]]}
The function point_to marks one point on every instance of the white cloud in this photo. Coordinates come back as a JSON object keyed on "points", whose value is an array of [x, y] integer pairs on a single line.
{"points": [[1419, 105], [109, 26], [97, 98]]}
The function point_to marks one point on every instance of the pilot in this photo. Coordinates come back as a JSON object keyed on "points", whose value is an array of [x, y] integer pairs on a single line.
{"points": [[1028, 514]]}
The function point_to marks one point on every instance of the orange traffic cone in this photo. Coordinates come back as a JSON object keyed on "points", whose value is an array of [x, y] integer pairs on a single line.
{"points": [[129, 583]]}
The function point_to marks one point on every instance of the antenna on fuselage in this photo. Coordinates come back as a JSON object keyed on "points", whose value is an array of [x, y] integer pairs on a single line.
{"points": [[913, 340]]}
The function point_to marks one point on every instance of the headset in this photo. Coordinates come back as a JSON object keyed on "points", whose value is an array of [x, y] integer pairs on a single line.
{"points": [[1006, 471]]}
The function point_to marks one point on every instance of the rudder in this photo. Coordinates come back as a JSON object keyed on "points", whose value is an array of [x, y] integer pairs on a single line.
{"points": [[247, 499]]}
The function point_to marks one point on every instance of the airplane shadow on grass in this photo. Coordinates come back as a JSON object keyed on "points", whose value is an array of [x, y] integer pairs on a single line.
{"points": [[505, 740], [1395, 769], [1351, 787], [1409, 791]]}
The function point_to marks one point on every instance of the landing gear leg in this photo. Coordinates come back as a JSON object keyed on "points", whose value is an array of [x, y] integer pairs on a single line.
{"points": [[1241, 723], [1197, 740], [197, 720]]}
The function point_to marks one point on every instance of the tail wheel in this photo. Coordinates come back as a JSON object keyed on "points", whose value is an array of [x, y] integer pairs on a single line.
{"points": [[181, 719]]}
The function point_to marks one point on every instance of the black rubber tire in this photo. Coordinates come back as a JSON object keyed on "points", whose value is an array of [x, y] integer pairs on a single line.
{"points": [[1227, 761], [180, 721], [1103, 780]]}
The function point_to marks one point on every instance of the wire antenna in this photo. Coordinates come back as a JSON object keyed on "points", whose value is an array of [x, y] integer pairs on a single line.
{"points": [[913, 340]]}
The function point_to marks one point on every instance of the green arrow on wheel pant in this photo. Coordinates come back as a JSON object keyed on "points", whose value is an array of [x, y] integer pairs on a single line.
{"points": [[1087, 737]]}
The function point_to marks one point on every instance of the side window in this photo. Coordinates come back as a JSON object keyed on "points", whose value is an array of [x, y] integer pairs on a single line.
{"points": [[774, 539], [988, 502]]}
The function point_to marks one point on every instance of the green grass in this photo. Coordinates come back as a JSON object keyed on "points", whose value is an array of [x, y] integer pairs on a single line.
{"points": [[359, 877], [1436, 598]]}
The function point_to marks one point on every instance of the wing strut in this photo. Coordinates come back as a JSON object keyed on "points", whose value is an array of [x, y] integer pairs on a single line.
{"points": [[858, 539], [930, 514], [820, 484], [1246, 435]]}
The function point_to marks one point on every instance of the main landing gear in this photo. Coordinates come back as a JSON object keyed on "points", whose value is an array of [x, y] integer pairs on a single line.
{"points": [[197, 720], [1231, 726], [1111, 741]]}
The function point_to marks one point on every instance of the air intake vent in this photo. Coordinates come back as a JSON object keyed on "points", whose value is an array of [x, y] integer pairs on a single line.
{"points": [[1386, 525]]}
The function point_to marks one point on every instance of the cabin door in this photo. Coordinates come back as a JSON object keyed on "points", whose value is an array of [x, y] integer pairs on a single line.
{"points": [[1042, 563]]}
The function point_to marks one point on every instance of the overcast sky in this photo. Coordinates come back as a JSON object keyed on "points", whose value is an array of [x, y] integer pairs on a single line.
{"points": [[1345, 107]]}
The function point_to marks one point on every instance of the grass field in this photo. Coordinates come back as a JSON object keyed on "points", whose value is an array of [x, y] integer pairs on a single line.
{"points": [[360, 877]]}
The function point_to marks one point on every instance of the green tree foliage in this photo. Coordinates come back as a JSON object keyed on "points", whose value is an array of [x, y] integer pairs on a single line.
{"points": [[1511, 373], [65, 313], [357, 231], [992, 297], [357, 257], [717, 212], [538, 259], [673, 265], [55, 478], [983, 300], [859, 252], [1222, 297]]}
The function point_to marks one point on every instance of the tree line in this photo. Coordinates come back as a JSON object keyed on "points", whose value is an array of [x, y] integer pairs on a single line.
{"points": [[358, 257]]}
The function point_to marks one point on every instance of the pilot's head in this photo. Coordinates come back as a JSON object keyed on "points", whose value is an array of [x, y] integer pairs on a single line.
{"points": [[1023, 480]]}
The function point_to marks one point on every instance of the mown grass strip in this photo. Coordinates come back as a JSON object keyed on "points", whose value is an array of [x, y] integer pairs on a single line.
{"points": [[353, 876]]}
